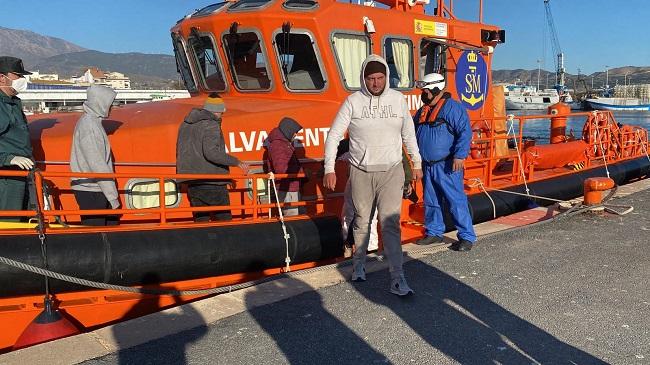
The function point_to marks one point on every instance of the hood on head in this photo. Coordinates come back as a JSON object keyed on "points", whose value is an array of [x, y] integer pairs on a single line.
{"points": [[289, 127], [376, 58], [99, 100], [197, 115]]}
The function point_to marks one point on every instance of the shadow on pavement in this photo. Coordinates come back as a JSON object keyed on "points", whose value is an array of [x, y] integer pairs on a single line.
{"points": [[464, 324], [158, 351], [307, 333]]}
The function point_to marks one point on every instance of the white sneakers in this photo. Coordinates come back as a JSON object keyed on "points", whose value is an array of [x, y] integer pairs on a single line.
{"points": [[399, 286]]}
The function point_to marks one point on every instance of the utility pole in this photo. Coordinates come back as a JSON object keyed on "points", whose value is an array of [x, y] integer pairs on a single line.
{"points": [[606, 77], [539, 70]]}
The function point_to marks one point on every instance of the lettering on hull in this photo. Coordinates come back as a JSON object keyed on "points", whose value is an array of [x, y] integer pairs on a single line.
{"points": [[249, 141]]}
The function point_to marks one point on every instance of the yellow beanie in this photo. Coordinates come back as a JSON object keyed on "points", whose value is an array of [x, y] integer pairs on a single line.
{"points": [[214, 104]]}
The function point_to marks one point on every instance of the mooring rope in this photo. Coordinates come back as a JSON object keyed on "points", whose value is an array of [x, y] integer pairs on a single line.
{"points": [[287, 259], [511, 127]]}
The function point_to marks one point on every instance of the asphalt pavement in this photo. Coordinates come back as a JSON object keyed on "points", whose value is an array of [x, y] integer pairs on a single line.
{"points": [[574, 291]]}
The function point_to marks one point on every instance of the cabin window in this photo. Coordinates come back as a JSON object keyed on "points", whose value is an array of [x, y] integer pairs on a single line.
{"points": [[145, 193], [351, 50], [182, 65], [248, 4], [300, 4], [433, 58], [210, 9], [546, 99], [207, 60], [248, 63], [298, 61], [399, 56]]}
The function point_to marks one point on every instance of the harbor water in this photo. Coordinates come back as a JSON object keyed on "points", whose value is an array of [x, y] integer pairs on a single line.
{"points": [[540, 128]]}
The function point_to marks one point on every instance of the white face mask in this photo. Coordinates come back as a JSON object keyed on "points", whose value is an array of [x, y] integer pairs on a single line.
{"points": [[19, 85]]}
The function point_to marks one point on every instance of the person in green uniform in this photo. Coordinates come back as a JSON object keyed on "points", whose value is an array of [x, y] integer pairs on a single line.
{"points": [[15, 146]]}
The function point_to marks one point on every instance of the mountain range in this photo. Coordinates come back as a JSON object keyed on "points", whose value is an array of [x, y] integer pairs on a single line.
{"points": [[54, 55], [153, 71]]}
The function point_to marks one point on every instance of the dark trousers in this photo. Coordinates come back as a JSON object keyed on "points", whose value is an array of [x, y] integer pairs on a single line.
{"points": [[12, 196], [203, 195], [94, 200]]}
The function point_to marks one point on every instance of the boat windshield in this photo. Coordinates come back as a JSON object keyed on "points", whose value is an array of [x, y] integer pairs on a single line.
{"points": [[248, 63], [298, 61], [207, 61], [433, 58], [182, 64]]}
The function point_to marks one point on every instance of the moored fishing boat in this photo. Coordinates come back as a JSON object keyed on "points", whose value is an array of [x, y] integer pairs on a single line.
{"points": [[269, 60]]}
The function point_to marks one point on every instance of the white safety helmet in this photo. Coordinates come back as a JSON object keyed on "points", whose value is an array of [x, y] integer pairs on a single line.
{"points": [[431, 81]]}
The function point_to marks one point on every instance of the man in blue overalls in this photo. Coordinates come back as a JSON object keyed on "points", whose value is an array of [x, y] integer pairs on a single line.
{"points": [[443, 132]]}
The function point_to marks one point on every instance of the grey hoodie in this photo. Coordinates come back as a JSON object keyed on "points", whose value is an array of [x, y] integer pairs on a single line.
{"points": [[91, 150], [378, 126]]}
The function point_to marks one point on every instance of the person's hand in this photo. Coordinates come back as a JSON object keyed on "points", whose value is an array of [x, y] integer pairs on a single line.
{"points": [[22, 162], [417, 174], [329, 180], [458, 164], [244, 167]]}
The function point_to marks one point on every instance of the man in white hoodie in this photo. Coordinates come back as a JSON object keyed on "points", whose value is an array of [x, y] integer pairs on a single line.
{"points": [[378, 123], [91, 152]]}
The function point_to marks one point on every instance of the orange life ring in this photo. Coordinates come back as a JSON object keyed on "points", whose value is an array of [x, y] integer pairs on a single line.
{"points": [[481, 135]]}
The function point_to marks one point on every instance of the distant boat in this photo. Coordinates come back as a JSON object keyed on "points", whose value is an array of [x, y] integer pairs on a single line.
{"points": [[523, 97], [618, 104]]}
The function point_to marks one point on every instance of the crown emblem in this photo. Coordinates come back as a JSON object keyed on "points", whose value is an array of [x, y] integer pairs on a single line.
{"points": [[471, 57]]}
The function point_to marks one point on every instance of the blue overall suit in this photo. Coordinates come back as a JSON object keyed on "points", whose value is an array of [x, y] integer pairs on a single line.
{"points": [[441, 140]]}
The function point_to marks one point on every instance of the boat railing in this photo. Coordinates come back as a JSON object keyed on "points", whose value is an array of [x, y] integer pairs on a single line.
{"points": [[252, 208], [604, 141]]}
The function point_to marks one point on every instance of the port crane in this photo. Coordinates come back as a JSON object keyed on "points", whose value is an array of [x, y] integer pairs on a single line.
{"points": [[555, 43]]}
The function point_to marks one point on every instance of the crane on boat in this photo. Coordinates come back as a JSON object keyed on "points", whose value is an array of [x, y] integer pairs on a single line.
{"points": [[557, 50]]}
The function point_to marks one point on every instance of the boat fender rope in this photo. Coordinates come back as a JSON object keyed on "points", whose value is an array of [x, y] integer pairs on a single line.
{"points": [[602, 149], [287, 258], [643, 144], [511, 128], [479, 183]]}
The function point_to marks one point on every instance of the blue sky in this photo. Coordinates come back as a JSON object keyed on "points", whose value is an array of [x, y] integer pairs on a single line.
{"points": [[592, 33]]}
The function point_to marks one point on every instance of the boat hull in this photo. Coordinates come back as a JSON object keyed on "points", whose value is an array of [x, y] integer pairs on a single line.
{"points": [[166, 255], [600, 105], [564, 187]]}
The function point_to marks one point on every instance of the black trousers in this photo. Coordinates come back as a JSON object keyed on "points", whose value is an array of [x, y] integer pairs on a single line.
{"points": [[202, 195], [94, 200]]}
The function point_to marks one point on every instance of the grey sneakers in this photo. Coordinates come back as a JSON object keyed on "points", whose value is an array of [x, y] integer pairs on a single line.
{"points": [[398, 286], [358, 273]]}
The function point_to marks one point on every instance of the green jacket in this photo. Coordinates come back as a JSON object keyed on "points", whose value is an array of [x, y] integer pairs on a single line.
{"points": [[14, 134]]}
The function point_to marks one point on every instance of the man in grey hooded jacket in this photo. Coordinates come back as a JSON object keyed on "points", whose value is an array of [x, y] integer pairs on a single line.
{"points": [[378, 122], [91, 152]]}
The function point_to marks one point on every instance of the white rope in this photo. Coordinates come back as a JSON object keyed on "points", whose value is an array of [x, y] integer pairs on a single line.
{"points": [[287, 259], [511, 127], [643, 145], [480, 185], [602, 149], [268, 194]]}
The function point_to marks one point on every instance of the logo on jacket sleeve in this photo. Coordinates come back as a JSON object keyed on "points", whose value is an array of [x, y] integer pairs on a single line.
{"points": [[472, 80]]}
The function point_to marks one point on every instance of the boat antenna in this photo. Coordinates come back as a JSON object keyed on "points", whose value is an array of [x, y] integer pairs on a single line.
{"points": [[286, 33]]}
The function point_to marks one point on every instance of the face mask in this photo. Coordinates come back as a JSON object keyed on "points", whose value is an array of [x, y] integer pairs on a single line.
{"points": [[19, 85], [426, 99]]}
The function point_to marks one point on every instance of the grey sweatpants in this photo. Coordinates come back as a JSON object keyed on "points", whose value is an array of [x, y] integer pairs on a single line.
{"points": [[381, 191]]}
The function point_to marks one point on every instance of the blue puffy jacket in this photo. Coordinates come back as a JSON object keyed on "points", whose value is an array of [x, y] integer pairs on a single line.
{"points": [[437, 141]]}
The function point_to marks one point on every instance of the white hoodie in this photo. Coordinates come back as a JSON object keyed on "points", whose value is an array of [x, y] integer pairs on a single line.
{"points": [[378, 126]]}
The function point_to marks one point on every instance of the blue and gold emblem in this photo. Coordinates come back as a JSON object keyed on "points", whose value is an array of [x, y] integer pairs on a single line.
{"points": [[472, 80]]}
